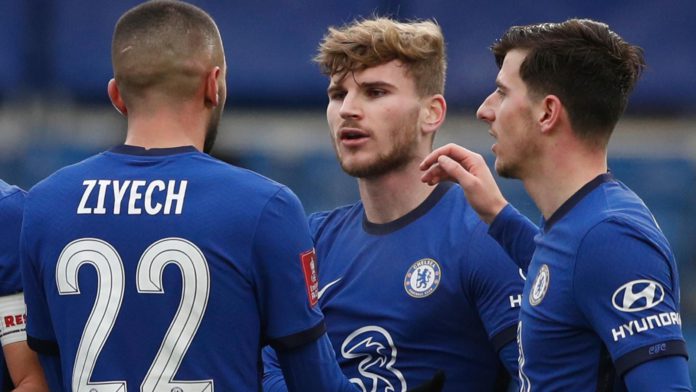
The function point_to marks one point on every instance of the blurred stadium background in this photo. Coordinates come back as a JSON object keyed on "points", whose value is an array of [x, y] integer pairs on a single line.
{"points": [[54, 111]]}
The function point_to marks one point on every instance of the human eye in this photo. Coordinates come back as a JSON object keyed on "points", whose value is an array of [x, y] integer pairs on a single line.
{"points": [[376, 92], [337, 95], [499, 92]]}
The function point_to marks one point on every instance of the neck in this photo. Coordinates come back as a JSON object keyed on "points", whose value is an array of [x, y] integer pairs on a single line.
{"points": [[563, 175], [393, 195], [166, 128]]}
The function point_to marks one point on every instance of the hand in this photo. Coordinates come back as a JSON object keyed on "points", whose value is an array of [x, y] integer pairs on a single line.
{"points": [[455, 163], [435, 384]]}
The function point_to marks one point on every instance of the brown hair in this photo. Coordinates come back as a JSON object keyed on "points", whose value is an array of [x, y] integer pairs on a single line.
{"points": [[419, 45], [590, 68]]}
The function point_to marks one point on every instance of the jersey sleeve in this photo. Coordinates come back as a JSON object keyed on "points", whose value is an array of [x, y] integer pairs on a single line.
{"points": [[496, 286], [515, 233], [12, 309], [313, 367], [626, 288], [273, 380], [664, 374], [11, 208], [286, 275], [316, 223], [40, 334]]}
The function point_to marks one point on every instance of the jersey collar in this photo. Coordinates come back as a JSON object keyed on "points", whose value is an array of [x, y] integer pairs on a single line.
{"points": [[142, 151], [575, 199], [422, 209]]}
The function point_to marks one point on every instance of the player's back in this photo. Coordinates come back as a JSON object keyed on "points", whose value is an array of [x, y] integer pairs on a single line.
{"points": [[164, 259]]}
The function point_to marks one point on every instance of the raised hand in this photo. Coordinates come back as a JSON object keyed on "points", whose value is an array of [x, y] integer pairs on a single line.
{"points": [[456, 163]]}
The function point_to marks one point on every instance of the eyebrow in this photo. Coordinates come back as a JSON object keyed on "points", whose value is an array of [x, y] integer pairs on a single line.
{"points": [[365, 85], [377, 84], [500, 84], [334, 88]]}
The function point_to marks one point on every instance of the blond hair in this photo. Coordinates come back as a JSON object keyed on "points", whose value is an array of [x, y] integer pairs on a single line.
{"points": [[362, 44]]}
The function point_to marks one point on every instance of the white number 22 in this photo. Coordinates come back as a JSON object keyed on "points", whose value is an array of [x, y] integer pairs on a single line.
{"points": [[109, 268]]}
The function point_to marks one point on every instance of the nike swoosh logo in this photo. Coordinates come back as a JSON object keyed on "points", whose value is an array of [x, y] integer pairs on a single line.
{"points": [[323, 289]]}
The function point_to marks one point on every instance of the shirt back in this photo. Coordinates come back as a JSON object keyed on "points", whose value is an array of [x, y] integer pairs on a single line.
{"points": [[165, 270]]}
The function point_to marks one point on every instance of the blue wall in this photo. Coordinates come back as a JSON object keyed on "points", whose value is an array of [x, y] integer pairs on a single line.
{"points": [[62, 47]]}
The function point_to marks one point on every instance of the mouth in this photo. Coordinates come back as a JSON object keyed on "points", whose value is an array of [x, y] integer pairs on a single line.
{"points": [[351, 134]]}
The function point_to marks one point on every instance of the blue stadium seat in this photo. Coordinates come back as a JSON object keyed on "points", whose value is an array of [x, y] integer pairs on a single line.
{"points": [[14, 19], [664, 29], [668, 187], [78, 38], [269, 45]]}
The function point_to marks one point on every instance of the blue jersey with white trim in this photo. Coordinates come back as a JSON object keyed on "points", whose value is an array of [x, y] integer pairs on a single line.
{"points": [[11, 203], [165, 269], [602, 294], [430, 291]]}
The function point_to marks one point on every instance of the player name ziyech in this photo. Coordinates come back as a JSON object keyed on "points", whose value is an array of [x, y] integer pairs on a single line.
{"points": [[133, 197]]}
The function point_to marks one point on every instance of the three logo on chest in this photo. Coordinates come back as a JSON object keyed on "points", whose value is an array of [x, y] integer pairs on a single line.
{"points": [[422, 278]]}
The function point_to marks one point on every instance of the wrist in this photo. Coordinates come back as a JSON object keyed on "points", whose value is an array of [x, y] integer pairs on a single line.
{"points": [[489, 216]]}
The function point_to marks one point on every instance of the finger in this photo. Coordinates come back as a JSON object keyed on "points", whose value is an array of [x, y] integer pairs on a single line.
{"points": [[431, 158], [455, 170], [454, 151], [433, 175]]}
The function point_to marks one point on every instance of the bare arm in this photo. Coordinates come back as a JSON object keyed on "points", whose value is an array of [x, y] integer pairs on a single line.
{"points": [[25, 370], [455, 163]]}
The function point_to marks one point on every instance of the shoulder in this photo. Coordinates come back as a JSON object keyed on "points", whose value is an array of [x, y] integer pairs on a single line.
{"points": [[240, 180], [458, 223], [320, 222], [624, 218], [460, 212], [11, 197], [62, 176], [615, 251]]}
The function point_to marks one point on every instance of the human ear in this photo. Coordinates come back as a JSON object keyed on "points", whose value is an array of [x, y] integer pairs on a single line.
{"points": [[212, 94], [116, 98], [550, 111], [433, 113]]}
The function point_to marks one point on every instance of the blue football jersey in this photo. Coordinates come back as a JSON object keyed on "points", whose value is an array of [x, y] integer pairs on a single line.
{"points": [[429, 291], [165, 270], [602, 294], [11, 322]]}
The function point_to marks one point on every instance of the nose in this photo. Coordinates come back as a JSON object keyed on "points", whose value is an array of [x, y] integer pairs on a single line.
{"points": [[485, 112], [350, 107]]}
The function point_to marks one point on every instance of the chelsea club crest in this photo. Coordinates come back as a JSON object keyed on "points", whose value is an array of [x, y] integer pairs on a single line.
{"points": [[540, 285], [422, 278]]}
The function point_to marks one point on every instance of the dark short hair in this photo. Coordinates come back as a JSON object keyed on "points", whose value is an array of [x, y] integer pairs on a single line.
{"points": [[152, 41], [590, 68]]}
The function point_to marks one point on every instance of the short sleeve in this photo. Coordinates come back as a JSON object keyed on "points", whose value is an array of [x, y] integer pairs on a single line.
{"points": [[287, 280], [11, 208], [316, 222], [497, 287], [40, 334], [625, 286], [12, 309], [515, 233]]}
